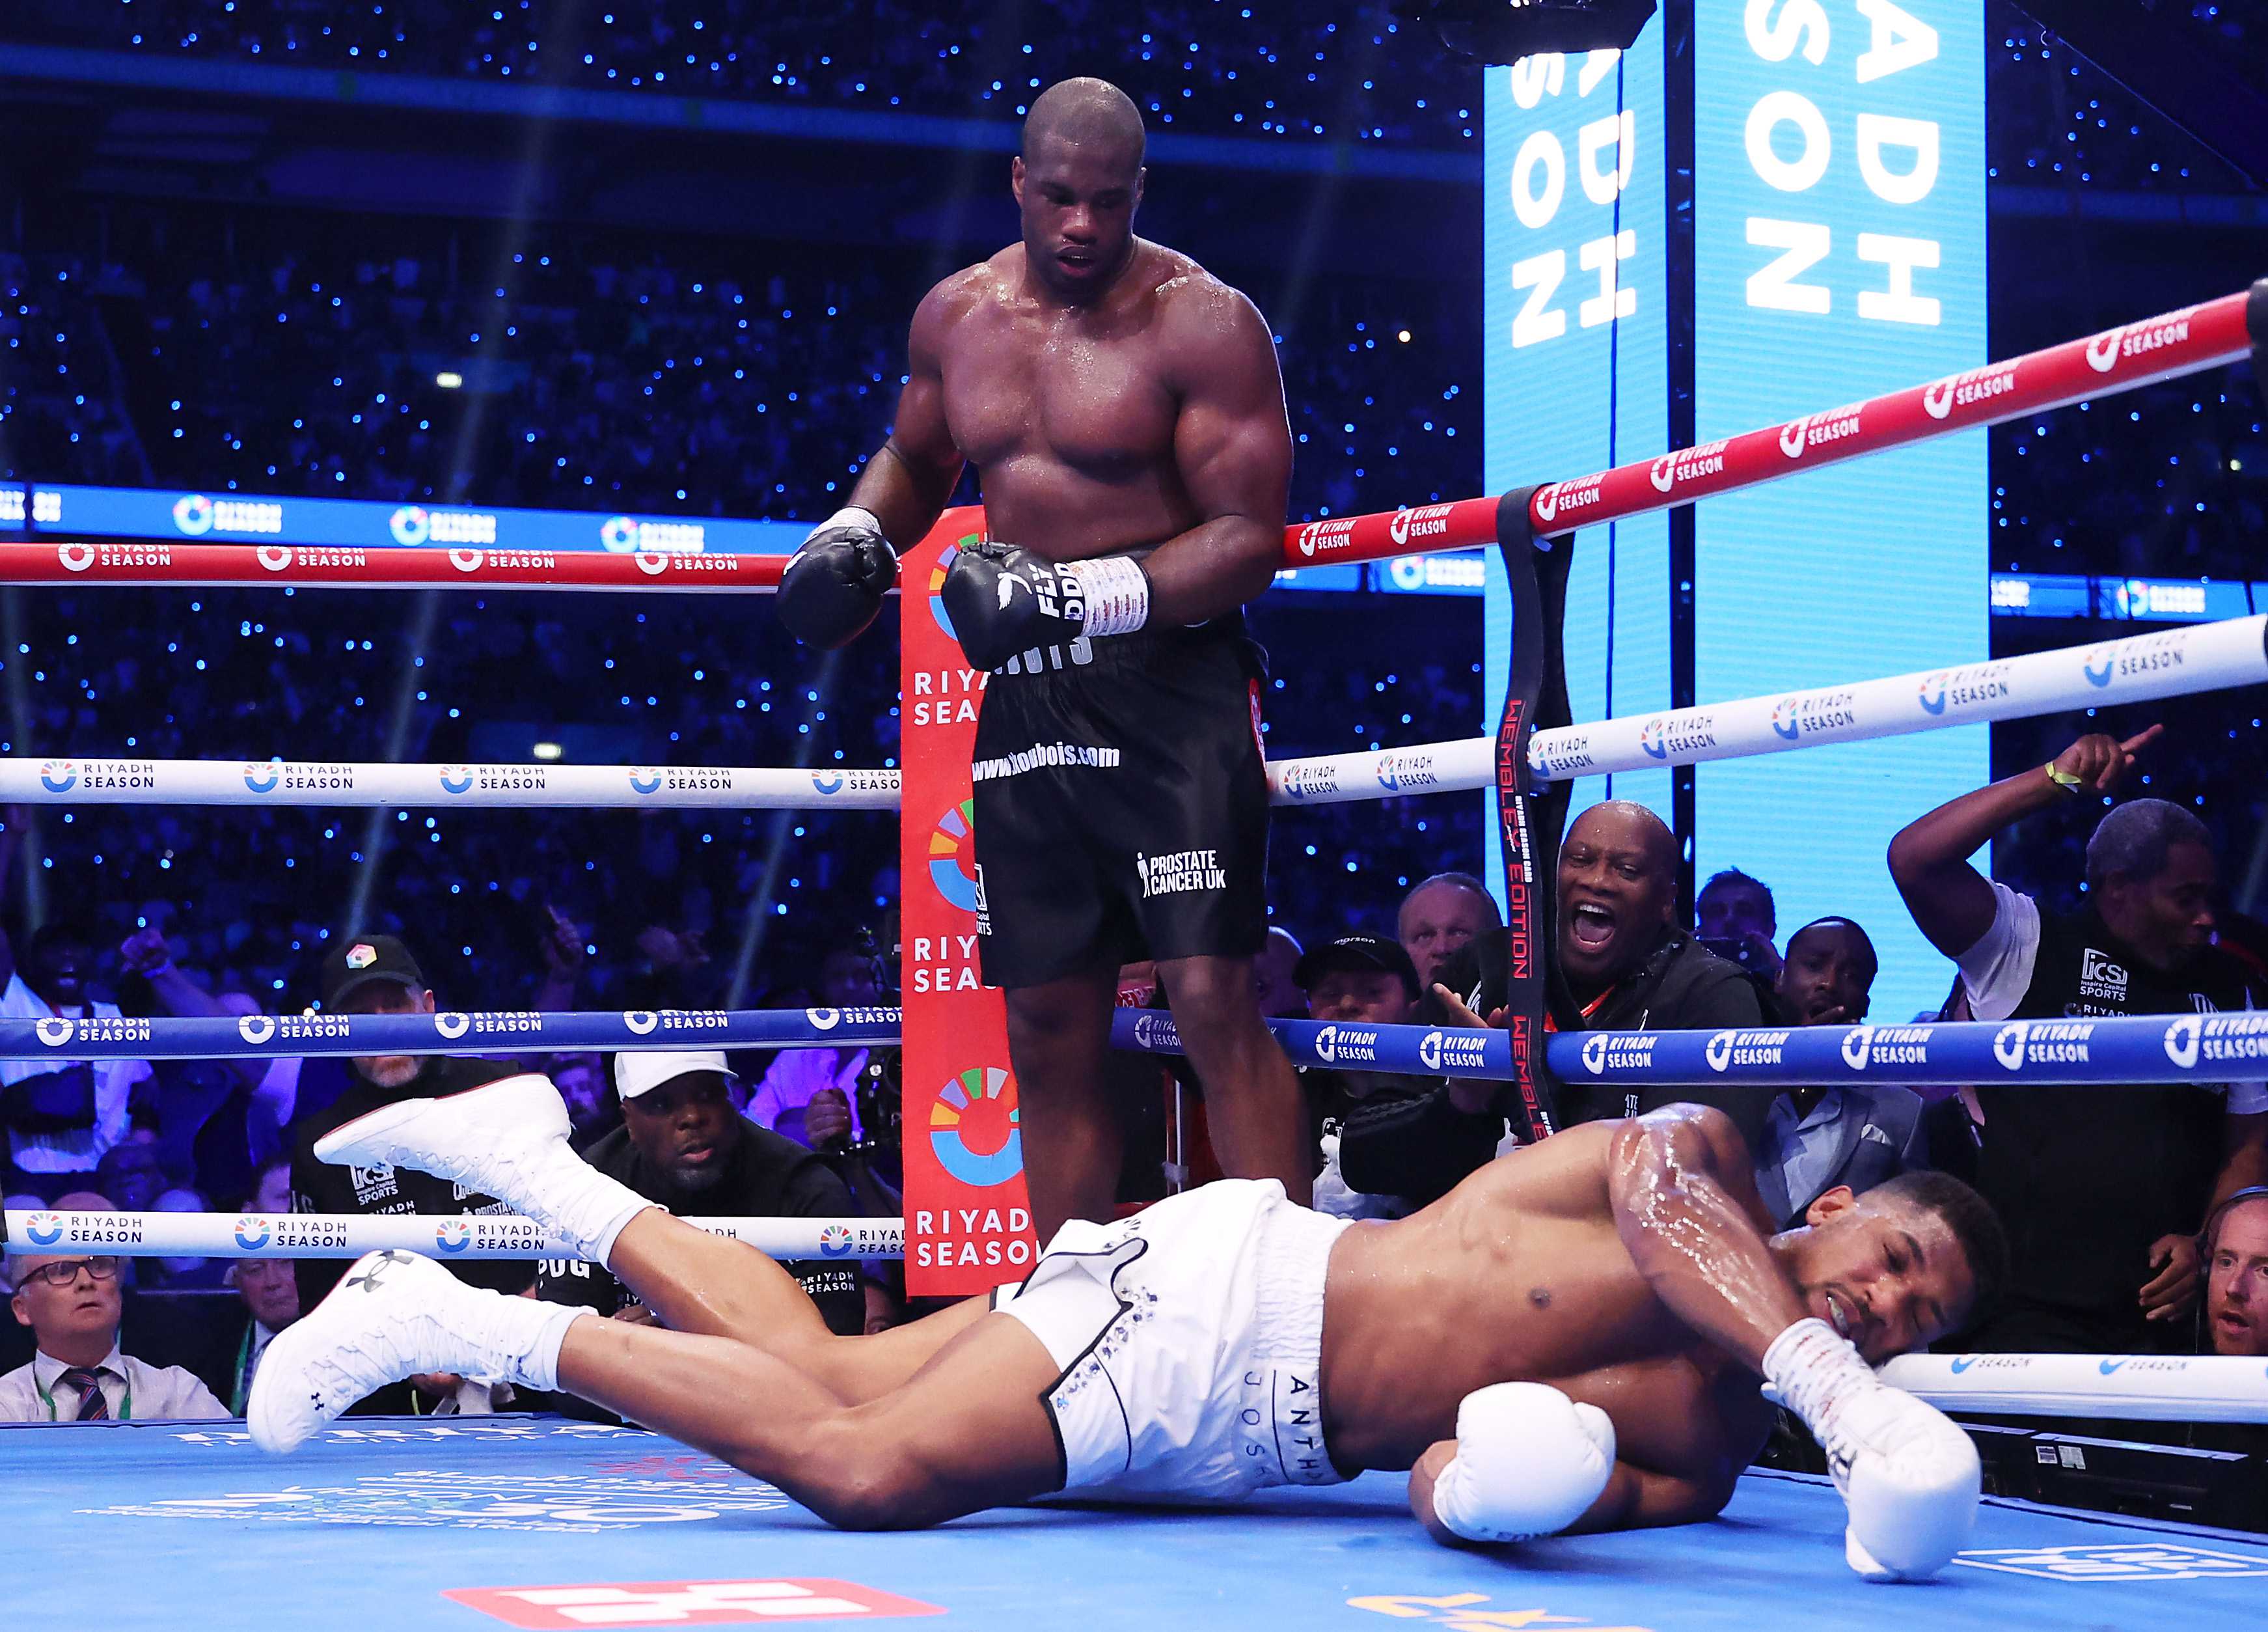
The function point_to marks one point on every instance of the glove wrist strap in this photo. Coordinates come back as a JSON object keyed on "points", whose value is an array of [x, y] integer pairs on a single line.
{"points": [[850, 515], [1812, 1367], [1116, 591]]}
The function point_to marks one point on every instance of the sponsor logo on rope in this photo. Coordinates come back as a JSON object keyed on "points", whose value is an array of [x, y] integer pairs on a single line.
{"points": [[1338, 1045], [1557, 753], [2042, 1043], [1302, 781], [1617, 1051], [1422, 521], [452, 1025], [251, 1232], [467, 560], [1405, 772], [1727, 1049], [1814, 711], [1558, 499], [1157, 1032], [53, 1032], [644, 780], [640, 1021], [75, 557], [412, 525], [272, 558], [834, 1242], [1886, 1045], [260, 779], [2105, 352], [193, 512], [456, 778], [256, 1029], [827, 782], [451, 1236], [1967, 388], [1800, 435], [1685, 465], [43, 1229], [2232, 1039], [2136, 657], [59, 776], [1321, 537], [823, 1019], [1454, 1051], [1689, 733], [93, 1028]]}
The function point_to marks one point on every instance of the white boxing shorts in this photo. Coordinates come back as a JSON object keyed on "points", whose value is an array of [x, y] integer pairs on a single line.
{"points": [[1191, 1338]]}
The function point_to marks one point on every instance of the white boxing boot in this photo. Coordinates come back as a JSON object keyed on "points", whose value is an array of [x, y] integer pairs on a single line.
{"points": [[395, 1315], [507, 1139]]}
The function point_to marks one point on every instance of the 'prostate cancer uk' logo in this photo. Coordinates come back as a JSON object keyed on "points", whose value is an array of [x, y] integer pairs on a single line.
{"points": [[973, 1127]]}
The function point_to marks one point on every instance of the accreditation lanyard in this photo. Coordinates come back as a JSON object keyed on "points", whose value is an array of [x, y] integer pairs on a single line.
{"points": [[125, 1406]]}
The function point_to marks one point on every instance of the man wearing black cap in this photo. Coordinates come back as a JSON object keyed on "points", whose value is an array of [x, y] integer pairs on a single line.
{"points": [[1355, 983], [375, 975], [682, 1144]]}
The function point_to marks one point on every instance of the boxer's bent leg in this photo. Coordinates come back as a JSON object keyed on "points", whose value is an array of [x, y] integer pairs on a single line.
{"points": [[1252, 1098], [716, 1287], [970, 1432], [1059, 1038]]}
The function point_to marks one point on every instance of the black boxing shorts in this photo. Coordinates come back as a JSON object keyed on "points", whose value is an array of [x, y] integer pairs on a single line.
{"points": [[1121, 804]]}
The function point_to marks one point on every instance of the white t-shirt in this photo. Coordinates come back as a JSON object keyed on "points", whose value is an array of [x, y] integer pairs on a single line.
{"points": [[1998, 972], [74, 1150]]}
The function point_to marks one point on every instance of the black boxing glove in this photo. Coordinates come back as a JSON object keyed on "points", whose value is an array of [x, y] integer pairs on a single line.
{"points": [[834, 584], [1004, 600]]}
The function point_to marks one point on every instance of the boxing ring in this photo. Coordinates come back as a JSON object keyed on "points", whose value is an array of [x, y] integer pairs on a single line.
{"points": [[545, 1522]]}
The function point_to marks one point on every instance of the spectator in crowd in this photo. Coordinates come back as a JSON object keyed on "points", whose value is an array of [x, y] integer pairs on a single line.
{"points": [[61, 1114], [71, 1302], [1356, 981], [682, 1144], [850, 976], [2236, 1275], [1280, 996], [581, 1080], [181, 1273], [272, 1302], [1628, 967], [2103, 1187], [131, 1176], [1849, 1137], [376, 975], [1734, 917], [271, 1189], [1440, 916]]}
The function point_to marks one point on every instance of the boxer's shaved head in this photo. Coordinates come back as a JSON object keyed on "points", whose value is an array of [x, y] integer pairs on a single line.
{"points": [[1091, 113]]}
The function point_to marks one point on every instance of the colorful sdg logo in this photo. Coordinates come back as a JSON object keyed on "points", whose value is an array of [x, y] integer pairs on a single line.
{"points": [[453, 1234], [953, 856], [937, 584], [973, 1127], [834, 1241]]}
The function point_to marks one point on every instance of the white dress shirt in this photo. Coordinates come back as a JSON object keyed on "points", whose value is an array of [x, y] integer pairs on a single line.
{"points": [[135, 1391]]}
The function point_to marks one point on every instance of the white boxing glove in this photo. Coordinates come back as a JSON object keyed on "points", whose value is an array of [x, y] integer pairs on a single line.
{"points": [[1529, 1461], [1908, 1474]]}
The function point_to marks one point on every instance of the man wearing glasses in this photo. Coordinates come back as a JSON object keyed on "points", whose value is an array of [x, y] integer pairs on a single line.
{"points": [[71, 1304]]}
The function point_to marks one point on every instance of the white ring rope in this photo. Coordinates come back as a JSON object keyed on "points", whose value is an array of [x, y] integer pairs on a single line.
{"points": [[447, 1237], [2137, 1388], [2174, 663]]}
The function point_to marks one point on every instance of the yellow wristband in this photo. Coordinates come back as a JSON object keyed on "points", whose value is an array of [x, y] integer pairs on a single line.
{"points": [[2062, 778]]}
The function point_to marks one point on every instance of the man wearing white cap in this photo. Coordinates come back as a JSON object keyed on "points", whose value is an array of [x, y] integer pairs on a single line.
{"points": [[683, 1145]]}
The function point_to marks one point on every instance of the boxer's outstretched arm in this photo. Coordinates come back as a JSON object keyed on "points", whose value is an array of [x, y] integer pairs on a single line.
{"points": [[1231, 450], [1635, 1498], [1681, 1185], [912, 475]]}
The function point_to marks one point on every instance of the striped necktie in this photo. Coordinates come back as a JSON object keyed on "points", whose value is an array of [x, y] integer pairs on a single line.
{"points": [[92, 1408]]}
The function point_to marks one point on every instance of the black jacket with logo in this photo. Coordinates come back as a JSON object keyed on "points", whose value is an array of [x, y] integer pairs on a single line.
{"points": [[1422, 1149], [2086, 1179], [767, 1175]]}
